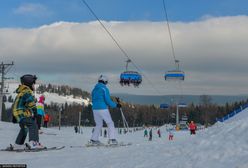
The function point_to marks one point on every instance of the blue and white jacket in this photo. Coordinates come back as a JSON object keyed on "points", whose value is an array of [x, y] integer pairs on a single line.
{"points": [[101, 97]]}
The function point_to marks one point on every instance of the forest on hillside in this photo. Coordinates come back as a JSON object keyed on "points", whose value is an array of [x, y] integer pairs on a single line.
{"points": [[139, 115], [204, 113]]}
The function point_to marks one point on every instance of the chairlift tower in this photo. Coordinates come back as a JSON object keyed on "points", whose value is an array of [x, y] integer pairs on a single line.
{"points": [[179, 105], [177, 116]]}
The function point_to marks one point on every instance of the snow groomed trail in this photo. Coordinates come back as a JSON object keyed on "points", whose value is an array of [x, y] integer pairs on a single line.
{"points": [[224, 145]]}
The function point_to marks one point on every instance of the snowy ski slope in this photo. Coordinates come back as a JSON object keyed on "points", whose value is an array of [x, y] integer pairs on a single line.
{"points": [[224, 145], [239, 116]]}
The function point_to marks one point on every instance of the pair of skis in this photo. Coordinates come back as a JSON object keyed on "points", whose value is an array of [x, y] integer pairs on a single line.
{"points": [[11, 149], [125, 124], [120, 144]]}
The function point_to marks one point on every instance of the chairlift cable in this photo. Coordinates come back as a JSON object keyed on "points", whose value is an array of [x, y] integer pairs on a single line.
{"points": [[118, 45], [171, 41], [112, 37], [172, 47]]}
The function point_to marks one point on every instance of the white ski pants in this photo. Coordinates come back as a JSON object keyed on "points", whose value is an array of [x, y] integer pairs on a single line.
{"points": [[99, 116]]}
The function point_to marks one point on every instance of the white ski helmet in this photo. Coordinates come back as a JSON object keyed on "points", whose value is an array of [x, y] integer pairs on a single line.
{"points": [[103, 79]]}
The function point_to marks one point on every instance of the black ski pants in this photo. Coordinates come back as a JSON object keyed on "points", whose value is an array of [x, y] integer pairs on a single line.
{"points": [[27, 125], [45, 124], [39, 121], [192, 132]]}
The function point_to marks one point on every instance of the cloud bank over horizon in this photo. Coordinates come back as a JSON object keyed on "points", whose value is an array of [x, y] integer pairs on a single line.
{"points": [[212, 52]]}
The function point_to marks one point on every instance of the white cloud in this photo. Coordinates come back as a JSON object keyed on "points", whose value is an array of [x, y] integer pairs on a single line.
{"points": [[213, 53], [32, 9]]}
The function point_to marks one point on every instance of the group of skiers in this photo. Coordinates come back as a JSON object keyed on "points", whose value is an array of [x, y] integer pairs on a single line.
{"points": [[150, 134], [192, 128], [127, 82], [29, 115]]}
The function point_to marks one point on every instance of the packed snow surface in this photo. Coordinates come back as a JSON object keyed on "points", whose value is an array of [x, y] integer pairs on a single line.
{"points": [[224, 145]]}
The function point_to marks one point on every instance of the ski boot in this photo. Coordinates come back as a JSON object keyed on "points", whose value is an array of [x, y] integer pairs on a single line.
{"points": [[95, 143], [112, 142], [34, 145]]}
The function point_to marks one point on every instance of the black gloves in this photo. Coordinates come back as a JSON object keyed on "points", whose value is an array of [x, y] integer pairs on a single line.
{"points": [[118, 102], [14, 119], [118, 105]]}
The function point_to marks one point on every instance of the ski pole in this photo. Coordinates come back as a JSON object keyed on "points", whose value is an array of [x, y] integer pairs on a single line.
{"points": [[124, 120], [125, 124]]}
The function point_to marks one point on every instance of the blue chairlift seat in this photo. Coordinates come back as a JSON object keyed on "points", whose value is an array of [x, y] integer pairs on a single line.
{"points": [[174, 75], [164, 106], [182, 105], [130, 77]]}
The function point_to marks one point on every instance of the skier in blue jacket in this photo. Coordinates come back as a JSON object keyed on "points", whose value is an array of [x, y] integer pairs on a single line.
{"points": [[101, 101]]}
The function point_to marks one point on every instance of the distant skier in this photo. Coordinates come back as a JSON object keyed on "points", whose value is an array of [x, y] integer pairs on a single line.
{"points": [[171, 135], [47, 118], [101, 100], [25, 112], [40, 111], [76, 129], [150, 135], [192, 128], [159, 133], [145, 133]]}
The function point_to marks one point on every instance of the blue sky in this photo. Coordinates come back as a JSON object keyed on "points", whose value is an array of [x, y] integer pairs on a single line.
{"points": [[34, 13], [60, 39]]}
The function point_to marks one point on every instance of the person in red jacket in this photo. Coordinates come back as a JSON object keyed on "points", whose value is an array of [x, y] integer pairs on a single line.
{"points": [[192, 127], [47, 118], [159, 133]]}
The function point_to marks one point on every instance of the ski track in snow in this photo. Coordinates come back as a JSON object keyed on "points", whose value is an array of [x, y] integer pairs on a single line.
{"points": [[224, 145]]}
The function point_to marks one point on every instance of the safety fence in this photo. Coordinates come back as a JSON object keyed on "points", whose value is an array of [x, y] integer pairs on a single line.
{"points": [[232, 113]]}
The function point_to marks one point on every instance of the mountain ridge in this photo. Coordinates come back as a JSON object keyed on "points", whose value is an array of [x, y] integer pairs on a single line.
{"points": [[168, 99]]}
